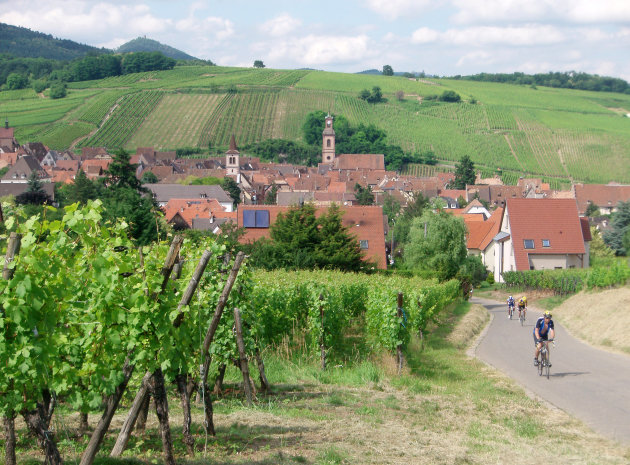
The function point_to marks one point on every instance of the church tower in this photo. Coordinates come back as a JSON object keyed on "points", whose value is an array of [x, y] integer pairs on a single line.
{"points": [[232, 162], [328, 145]]}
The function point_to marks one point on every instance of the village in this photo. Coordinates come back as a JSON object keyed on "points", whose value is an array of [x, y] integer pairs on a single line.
{"points": [[522, 227]]}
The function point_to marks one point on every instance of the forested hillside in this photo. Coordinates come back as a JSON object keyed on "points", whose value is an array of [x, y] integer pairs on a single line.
{"points": [[142, 44], [22, 42]]}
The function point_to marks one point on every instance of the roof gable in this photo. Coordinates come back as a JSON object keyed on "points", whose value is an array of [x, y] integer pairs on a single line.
{"points": [[553, 220]]}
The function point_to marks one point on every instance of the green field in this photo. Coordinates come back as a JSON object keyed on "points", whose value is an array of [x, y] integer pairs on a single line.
{"points": [[558, 134]]}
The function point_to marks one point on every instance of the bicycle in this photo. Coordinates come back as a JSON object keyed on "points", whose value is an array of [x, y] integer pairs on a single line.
{"points": [[521, 315], [510, 311], [545, 364]]}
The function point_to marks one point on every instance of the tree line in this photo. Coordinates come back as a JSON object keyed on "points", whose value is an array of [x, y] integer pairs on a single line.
{"points": [[19, 73], [564, 80]]}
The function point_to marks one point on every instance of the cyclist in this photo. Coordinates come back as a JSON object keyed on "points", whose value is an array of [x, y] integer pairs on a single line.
{"points": [[543, 331], [511, 303], [522, 307]]}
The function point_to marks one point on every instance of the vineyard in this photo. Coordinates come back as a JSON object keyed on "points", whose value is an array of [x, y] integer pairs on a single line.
{"points": [[86, 316], [561, 134]]}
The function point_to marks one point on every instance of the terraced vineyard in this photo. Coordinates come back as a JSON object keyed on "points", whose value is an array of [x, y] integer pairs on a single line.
{"points": [[556, 133]]}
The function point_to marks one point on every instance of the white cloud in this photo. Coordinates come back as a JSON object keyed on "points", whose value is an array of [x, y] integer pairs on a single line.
{"points": [[219, 28], [280, 25], [528, 35], [424, 35], [476, 58], [82, 21], [574, 11], [318, 50], [393, 9]]}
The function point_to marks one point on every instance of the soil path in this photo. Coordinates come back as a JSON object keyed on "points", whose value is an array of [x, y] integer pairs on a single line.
{"points": [[586, 382]]}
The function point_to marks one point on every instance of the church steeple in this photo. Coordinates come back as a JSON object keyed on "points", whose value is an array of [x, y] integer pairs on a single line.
{"points": [[328, 142], [232, 161]]}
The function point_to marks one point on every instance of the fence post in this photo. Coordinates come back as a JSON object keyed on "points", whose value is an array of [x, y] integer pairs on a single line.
{"points": [[399, 313]]}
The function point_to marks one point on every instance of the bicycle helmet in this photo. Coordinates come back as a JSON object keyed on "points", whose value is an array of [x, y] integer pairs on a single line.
{"points": [[547, 314]]}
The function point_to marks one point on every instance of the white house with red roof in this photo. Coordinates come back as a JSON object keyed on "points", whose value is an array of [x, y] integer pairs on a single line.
{"points": [[540, 234]]}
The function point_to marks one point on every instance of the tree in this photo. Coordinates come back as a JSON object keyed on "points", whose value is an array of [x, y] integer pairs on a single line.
{"points": [[34, 193], [592, 210], [436, 241], [271, 195], [364, 94], [598, 248], [149, 177], [450, 96], [259, 64], [464, 173], [82, 190], [230, 186], [391, 207], [137, 210], [58, 90], [388, 71], [364, 195], [400, 95], [619, 226], [121, 173], [16, 81], [376, 96], [300, 240]]}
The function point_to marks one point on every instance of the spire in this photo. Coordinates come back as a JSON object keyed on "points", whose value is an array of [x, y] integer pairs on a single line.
{"points": [[6, 123], [233, 144]]}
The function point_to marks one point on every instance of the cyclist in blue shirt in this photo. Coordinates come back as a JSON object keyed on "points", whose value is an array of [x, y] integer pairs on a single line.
{"points": [[543, 331], [511, 303]]}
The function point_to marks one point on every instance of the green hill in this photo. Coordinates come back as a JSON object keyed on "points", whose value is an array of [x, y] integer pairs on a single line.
{"points": [[142, 44], [22, 42], [557, 134]]}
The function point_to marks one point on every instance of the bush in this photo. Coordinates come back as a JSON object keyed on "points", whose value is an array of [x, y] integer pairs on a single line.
{"points": [[39, 86], [58, 90], [450, 96]]}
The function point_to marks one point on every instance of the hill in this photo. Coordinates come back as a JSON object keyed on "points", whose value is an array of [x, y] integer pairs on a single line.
{"points": [[22, 42], [142, 44], [560, 135]]}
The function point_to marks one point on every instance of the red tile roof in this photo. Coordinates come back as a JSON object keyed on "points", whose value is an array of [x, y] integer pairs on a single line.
{"points": [[601, 195], [365, 222], [189, 209], [352, 161], [555, 220]]}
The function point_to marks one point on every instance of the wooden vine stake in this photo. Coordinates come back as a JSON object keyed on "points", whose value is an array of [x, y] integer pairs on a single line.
{"points": [[322, 345], [242, 355], [13, 248], [112, 401], [141, 398], [399, 352], [208, 423]]}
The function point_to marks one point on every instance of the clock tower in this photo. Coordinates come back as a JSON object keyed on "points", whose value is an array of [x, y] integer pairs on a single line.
{"points": [[232, 161], [328, 145]]}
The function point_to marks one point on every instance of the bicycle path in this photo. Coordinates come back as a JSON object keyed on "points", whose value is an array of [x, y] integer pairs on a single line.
{"points": [[590, 384]]}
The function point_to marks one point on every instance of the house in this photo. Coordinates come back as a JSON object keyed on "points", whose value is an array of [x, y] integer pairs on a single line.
{"points": [[162, 193], [479, 235], [21, 171], [7, 139], [182, 213], [606, 197], [540, 234], [365, 222]]}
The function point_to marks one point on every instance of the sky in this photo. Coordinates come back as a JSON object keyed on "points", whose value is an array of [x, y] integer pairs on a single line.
{"points": [[439, 37]]}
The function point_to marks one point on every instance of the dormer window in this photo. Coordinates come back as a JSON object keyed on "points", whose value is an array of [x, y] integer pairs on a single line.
{"points": [[546, 243], [528, 243]]}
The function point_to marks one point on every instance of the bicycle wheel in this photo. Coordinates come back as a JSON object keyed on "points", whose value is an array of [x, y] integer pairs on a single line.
{"points": [[547, 364], [522, 318], [541, 363]]}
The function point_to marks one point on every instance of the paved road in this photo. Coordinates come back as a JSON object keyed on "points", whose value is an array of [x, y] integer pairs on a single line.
{"points": [[588, 383]]}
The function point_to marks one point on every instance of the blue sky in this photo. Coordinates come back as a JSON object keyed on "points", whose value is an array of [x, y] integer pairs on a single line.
{"points": [[440, 37]]}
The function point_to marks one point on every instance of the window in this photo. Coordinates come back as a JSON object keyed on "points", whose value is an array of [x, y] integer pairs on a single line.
{"points": [[363, 244], [545, 243], [256, 218], [328, 143], [528, 243]]}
